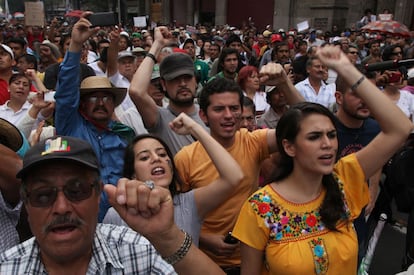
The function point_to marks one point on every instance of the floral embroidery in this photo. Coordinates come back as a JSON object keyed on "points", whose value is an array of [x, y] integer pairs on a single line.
{"points": [[284, 224], [320, 257]]}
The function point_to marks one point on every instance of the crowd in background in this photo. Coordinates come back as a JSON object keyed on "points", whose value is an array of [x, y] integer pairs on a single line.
{"points": [[33, 59]]}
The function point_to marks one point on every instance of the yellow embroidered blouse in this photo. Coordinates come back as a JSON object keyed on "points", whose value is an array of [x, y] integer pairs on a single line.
{"points": [[293, 237]]}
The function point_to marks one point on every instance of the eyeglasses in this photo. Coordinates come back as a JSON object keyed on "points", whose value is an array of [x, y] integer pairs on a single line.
{"points": [[74, 191], [105, 99], [353, 52]]}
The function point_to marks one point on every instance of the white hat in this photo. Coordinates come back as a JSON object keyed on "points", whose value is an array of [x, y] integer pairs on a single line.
{"points": [[269, 89], [8, 50], [410, 73], [124, 33]]}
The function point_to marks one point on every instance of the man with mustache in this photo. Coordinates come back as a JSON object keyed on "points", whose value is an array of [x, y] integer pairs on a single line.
{"points": [[87, 112], [61, 191], [355, 129], [313, 88], [178, 81]]}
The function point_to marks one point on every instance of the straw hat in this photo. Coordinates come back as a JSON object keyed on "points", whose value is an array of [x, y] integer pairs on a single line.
{"points": [[10, 136], [94, 84]]}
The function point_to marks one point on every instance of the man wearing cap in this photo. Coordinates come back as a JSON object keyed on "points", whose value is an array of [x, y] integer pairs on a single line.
{"points": [[121, 67], [61, 192], [275, 39], [278, 106], [87, 113], [201, 68], [13, 146], [136, 40], [140, 54], [179, 83], [6, 71], [49, 54]]}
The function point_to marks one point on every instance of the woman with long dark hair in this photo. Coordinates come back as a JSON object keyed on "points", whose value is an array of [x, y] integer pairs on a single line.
{"points": [[148, 159], [301, 222]]}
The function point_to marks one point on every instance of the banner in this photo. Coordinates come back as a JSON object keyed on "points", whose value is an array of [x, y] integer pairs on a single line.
{"points": [[35, 14]]}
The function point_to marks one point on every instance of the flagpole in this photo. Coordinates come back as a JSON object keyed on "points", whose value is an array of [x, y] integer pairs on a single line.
{"points": [[7, 11]]}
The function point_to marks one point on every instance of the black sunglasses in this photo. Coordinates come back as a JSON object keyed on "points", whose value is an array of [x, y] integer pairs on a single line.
{"points": [[74, 191]]}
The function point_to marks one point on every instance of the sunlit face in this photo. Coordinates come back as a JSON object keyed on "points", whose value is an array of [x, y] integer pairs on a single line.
{"points": [[98, 106], [152, 162], [19, 89], [223, 116], [64, 230], [314, 149], [181, 90]]}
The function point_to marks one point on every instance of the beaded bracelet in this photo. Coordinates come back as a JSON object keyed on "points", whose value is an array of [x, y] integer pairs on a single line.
{"points": [[181, 252], [356, 84], [150, 55]]}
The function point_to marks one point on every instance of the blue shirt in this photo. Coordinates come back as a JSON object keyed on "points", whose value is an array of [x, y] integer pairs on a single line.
{"points": [[108, 146]]}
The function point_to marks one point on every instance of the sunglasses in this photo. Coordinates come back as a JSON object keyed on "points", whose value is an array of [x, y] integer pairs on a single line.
{"points": [[74, 191], [353, 52], [105, 99]]}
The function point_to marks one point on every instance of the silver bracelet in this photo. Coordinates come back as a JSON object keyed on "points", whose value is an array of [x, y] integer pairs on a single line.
{"points": [[181, 252]]}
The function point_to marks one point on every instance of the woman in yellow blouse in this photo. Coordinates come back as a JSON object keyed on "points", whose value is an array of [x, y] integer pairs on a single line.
{"points": [[301, 223]]}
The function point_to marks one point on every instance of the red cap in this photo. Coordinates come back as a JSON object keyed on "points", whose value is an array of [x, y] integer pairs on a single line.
{"points": [[276, 38], [178, 50]]}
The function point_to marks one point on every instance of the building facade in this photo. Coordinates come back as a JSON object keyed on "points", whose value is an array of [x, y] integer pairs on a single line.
{"points": [[286, 14]]}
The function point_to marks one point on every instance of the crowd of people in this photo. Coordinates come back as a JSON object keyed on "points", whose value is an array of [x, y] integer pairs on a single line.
{"points": [[182, 150]]}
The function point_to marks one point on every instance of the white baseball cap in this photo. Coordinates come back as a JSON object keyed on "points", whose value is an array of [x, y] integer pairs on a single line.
{"points": [[8, 50], [410, 73]]}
